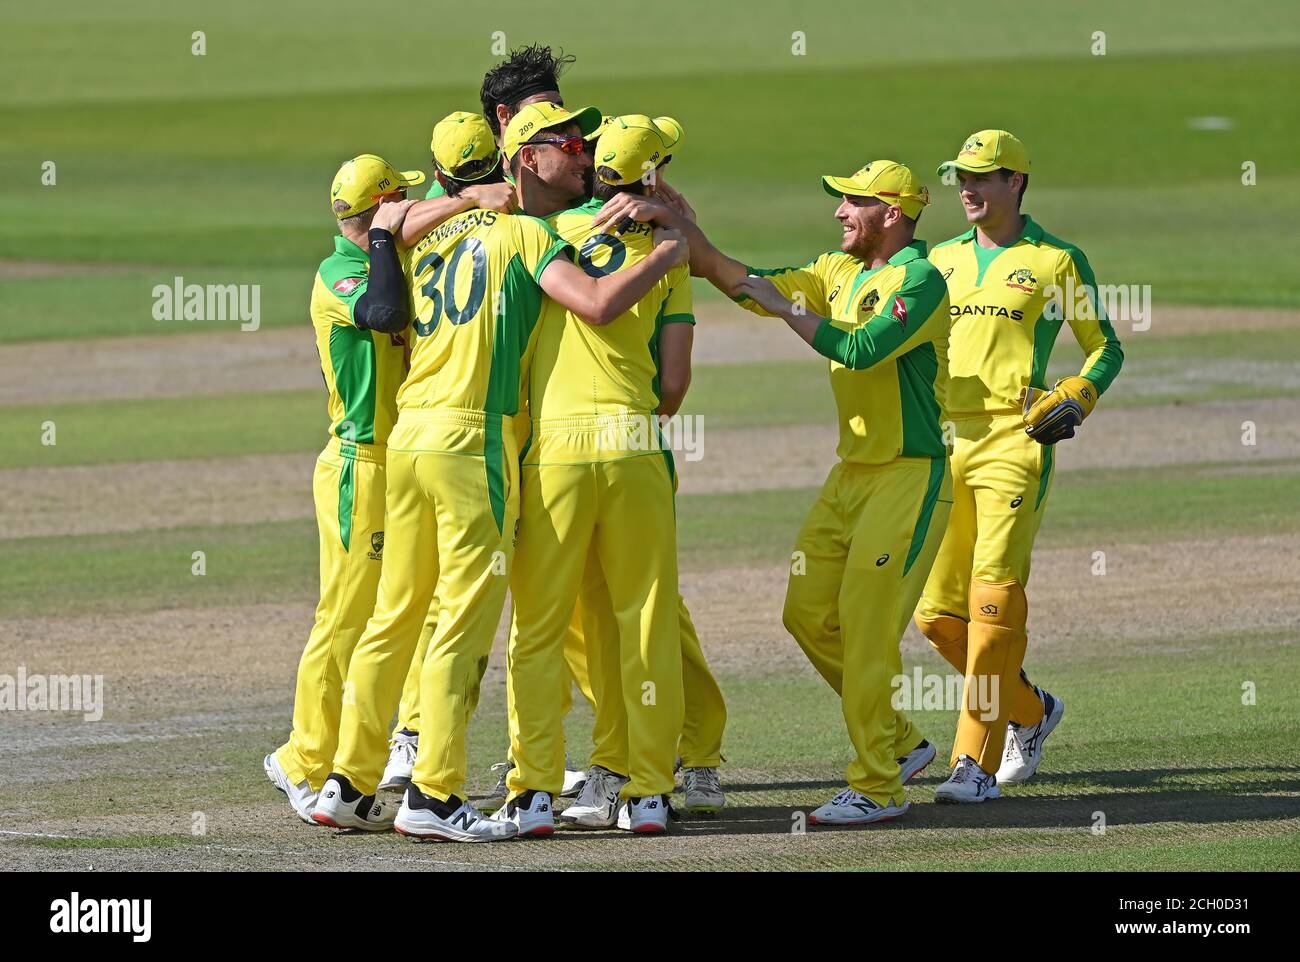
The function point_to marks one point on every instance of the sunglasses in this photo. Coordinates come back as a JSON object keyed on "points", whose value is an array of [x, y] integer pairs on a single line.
{"points": [[570, 145]]}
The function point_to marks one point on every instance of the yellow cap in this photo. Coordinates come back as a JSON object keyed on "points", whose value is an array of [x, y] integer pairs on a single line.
{"points": [[600, 128], [463, 138], [885, 180], [988, 150], [632, 144], [363, 180], [534, 118]]}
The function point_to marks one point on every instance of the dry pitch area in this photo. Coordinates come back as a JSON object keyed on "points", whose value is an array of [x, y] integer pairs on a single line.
{"points": [[1157, 658]]}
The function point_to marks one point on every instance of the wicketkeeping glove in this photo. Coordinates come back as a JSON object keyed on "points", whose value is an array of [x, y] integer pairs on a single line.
{"points": [[1051, 416]]}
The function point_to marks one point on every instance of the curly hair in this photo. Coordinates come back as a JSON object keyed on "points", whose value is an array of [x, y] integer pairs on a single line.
{"points": [[528, 70]]}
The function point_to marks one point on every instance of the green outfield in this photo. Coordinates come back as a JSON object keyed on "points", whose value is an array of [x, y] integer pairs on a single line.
{"points": [[1165, 602]]}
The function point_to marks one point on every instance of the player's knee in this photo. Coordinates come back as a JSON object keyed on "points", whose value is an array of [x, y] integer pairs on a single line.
{"points": [[1002, 604]]}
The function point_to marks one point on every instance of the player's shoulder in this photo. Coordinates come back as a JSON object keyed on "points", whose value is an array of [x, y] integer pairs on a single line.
{"points": [[946, 249], [1053, 244], [340, 273]]}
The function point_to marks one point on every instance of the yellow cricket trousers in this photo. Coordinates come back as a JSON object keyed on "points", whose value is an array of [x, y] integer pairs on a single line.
{"points": [[973, 609], [619, 513], [348, 489], [857, 571], [451, 512]]}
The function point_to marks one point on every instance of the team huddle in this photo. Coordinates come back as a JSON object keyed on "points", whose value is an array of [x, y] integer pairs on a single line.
{"points": [[498, 357]]}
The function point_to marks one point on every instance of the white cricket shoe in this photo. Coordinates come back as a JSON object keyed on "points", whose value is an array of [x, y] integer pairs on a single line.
{"points": [[645, 816], [300, 796], [968, 783], [851, 807], [401, 763], [915, 762], [574, 779], [454, 820], [1024, 747], [597, 805], [342, 806], [703, 790], [532, 813], [500, 792]]}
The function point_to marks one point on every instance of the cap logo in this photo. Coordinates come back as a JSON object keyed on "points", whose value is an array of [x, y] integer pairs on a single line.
{"points": [[609, 156], [469, 149], [972, 146], [384, 183], [337, 187]]}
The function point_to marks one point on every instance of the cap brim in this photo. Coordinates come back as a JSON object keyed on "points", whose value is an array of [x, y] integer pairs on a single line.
{"points": [[839, 186], [669, 130], [411, 178], [969, 168], [588, 120]]}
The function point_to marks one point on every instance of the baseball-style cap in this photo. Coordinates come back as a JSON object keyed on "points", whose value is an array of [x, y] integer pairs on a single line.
{"points": [[631, 144], [533, 119], [885, 180], [362, 180], [463, 138], [987, 150], [605, 121]]}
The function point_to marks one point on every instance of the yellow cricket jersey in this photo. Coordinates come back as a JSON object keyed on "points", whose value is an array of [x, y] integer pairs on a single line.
{"points": [[362, 368], [583, 374], [885, 331], [1007, 307], [475, 301]]}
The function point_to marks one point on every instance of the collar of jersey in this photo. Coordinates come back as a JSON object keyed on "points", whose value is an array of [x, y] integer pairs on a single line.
{"points": [[1032, 233], [345, 248]]}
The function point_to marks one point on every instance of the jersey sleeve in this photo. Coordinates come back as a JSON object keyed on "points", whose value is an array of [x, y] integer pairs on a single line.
{"points": [[538, 245], [345, 280], [804, 286], [679, 306], [901, 327], [1088, 320]]}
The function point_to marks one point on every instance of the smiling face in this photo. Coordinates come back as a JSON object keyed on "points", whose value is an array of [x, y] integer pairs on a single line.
{"points": [[564, 173], [989, 198], [863, 220]]}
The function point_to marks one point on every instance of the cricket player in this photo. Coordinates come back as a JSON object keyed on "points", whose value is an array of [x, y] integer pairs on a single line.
{"points": [[598, 487], [359, 289], [1011, 285], [877, 309], [477, 285]]}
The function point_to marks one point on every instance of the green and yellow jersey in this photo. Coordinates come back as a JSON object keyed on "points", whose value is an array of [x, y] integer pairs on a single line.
{"points": [[475, 301], [362, 368], [580, 371], [1006, 312], [885, 331]]}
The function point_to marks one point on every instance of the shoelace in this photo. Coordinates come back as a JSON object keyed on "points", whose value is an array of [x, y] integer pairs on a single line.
{"points": [[703, 780], [961, 773], [1015, 750], [408, 750], [845, 797]]}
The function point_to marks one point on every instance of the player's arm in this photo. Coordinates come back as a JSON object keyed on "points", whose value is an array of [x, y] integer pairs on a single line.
{"points": [[881, 338], [381, 302], [676, 338], [1052, 416], [599, 300], [427, 214]]}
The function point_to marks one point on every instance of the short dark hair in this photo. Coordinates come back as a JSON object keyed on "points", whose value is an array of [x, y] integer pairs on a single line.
{"points": [[454, 186], [603, 191], [1024, 184], [528, 70]]}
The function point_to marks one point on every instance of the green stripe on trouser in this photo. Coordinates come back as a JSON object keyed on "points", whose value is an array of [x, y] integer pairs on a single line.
{"points": [[1046, 476], [496, 482], [937, 468], [347, 492]]}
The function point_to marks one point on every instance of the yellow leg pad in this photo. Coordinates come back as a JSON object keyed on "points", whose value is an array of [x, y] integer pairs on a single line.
{"points": [[947, 635]]}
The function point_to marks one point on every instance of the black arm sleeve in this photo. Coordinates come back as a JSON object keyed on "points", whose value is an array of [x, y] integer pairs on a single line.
{"points": [[384, 306]]}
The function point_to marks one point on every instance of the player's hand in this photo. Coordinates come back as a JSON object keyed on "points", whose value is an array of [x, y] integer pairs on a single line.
{"points": [[671, 197], [499, 197], [763, 292], [619, 211], [1052, 416], [390, 214], [676, 240]]}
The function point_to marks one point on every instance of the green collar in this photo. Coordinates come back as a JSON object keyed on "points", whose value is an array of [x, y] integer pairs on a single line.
{"points": [[1031, 232], [345, 248]]}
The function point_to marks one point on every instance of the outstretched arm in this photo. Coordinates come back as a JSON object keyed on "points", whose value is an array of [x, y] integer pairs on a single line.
{"points": [[599, 300], [427, 214]]}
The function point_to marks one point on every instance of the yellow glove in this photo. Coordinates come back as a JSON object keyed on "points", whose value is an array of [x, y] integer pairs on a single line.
{"points": [[1051, 416]]}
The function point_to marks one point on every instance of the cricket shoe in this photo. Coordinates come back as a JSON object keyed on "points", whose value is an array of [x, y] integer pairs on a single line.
{"points": [[454, 820], [597, 805], [500, 792], [1024, 747], [300, 796], [915, 762], [703, 791], [531, 814], [573, 779], [968, 783], [851, 807], [401, 761], [342, 806], [645, 816]]}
